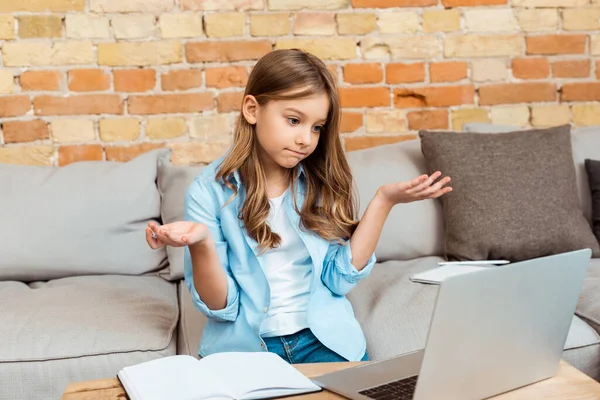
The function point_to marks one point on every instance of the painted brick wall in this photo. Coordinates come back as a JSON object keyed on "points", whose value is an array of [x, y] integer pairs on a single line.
{"points": [[109, 79]]}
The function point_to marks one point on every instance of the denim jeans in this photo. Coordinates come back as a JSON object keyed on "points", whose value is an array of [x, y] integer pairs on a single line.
{"points": [[303, 347]]}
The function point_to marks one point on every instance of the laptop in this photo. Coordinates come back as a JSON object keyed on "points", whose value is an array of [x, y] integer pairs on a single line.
{"points": [[492, 331]]}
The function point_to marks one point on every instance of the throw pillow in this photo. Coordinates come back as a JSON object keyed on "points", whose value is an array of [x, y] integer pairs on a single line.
{"points": [[593, 170], [86, 218], [173, 182], [514, 194]]}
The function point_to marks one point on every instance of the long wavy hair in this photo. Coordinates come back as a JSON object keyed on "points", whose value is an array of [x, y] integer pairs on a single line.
{"points": [[329, 208]]}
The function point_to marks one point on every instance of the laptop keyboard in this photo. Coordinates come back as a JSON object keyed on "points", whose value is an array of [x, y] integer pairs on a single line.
{"points": [[402, 389]]}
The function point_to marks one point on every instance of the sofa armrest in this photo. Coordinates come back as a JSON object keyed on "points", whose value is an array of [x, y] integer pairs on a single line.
{"points": [[191, 323]]}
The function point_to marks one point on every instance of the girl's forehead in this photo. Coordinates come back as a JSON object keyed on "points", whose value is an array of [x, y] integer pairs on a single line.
{"points": [[317, 103]]}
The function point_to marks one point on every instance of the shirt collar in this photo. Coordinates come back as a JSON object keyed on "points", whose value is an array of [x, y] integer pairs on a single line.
{"points": [[238, 181]]}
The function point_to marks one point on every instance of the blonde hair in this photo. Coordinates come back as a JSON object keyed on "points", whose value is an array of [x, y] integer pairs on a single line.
{"points": [[329, 208]]}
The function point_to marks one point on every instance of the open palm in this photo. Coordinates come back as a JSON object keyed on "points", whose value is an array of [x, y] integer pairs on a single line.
{"points": [[420, 188], [175, 234]]}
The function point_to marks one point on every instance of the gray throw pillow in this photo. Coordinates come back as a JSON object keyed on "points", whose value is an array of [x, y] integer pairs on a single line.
{"points": [[86, 218], [173, 181], [593, 171], [514, 196]]}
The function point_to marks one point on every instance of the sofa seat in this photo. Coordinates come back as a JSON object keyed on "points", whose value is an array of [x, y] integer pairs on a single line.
{"points": [[395, 314], [81, 328]]}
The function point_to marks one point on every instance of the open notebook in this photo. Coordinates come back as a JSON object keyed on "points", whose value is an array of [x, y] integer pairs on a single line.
{"points": [[233, 375]]}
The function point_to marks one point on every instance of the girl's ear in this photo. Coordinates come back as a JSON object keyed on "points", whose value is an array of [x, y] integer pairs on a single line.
{"points": [[250, 109]]}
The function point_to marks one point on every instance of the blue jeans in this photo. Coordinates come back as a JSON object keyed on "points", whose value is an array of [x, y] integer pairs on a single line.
{"points": [[303, 347]]}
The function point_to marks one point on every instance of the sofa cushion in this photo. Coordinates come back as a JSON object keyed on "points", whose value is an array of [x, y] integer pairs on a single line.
{"points": [[191, 323], [81, 328], [411, 230], [395, 313], [173, 181], [82, 219], [514, 194], [588, 307], [585, 143], [593, 170]]}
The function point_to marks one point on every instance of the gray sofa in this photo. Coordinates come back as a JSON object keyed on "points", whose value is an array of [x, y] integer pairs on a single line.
{"points": [[81, 294]]}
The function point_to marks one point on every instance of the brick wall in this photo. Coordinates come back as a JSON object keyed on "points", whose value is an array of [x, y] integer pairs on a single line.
{"points": [[109, 79]]}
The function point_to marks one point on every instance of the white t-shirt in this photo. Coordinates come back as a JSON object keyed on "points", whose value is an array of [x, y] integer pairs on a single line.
{"points": [[288, 269]]}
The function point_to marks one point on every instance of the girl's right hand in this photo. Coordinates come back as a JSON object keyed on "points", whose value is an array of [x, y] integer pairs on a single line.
{"points": [[175, 234]]}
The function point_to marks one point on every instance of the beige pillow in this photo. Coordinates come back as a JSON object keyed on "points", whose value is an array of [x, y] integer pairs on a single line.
{"points": [[514, 197]]}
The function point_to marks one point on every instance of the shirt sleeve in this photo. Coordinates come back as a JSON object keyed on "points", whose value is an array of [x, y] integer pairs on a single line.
{"points": [[339, 275], [201, 206]]}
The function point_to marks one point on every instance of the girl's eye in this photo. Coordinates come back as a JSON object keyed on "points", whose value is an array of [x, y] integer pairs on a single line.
{"points": [[293, 120], [318, 128]]}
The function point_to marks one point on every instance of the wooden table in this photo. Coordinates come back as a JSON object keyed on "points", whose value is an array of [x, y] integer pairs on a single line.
{"points": [[568, 384]]}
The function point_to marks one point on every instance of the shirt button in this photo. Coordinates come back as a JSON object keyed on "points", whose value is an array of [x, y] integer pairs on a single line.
{"points": [[266, 309], [262, 345]]}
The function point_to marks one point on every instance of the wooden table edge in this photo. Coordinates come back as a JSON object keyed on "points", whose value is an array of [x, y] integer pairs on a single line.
{"points": [[111, 387]]}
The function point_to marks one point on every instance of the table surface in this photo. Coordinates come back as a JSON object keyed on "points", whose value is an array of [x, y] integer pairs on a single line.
{"points": [[568, 384]]}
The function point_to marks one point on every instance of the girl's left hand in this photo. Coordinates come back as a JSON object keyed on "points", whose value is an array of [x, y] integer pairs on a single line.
{"points": [[420, 188]]}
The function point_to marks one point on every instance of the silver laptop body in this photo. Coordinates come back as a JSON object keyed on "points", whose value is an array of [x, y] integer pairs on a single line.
{"points": [[491, 332]]}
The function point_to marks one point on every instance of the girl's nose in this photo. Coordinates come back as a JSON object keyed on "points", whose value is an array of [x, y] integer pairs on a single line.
{"points": [[304, 138]]}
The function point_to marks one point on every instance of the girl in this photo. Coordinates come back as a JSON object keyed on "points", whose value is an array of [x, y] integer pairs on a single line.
{"points": [[272, 242]]}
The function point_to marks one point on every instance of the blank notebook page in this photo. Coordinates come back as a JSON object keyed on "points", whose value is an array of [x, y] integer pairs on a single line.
{"points": [[246, 372], [175, 377]]}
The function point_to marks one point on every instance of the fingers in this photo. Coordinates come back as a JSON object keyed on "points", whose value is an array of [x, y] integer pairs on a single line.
{"points": [[153, 242], [437, 189], [425, 183]]}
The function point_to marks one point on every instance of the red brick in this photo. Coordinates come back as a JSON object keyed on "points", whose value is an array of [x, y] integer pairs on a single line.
{"points": [[170, 103], [571, 69], [434, 96], [223, 77], [508, 93], [584, 91], [405, 73], [88, 80], [450, 71], [530, 68], [127, 153], [78, 105], [364, 142], [86, 152], [24, 131], [351, 121], [181, 79], [226, 51], [364, 97], [427, 119], [134, 80], [363, 73], [230, 101], [14, 106], [40, 80], [392, 3], [556, 44], [472, 3]]}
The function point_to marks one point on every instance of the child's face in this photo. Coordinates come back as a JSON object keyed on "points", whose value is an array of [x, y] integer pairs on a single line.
{"points": [[288, 130]]}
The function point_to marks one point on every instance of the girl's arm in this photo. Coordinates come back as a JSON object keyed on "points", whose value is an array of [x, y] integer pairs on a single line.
{"points": [[209, 277], [346, 264], [206, 263], [367, 233]]}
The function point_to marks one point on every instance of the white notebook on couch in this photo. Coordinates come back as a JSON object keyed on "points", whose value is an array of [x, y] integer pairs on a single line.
{"points": [[233, 375]]}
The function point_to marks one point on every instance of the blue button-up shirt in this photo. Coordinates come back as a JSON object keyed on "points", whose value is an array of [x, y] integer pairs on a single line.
{"points": [[237, 326]]}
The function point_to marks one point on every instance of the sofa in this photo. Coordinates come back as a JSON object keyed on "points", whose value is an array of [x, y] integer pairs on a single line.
{"points": [[82, 295]]}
